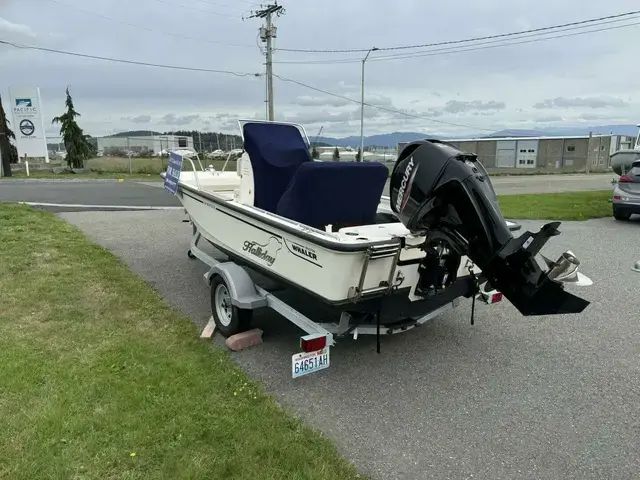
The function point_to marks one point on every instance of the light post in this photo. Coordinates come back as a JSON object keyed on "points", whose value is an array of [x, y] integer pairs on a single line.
{"points": [[362, 106]]}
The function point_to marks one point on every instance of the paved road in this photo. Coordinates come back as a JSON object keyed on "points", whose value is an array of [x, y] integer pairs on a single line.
{"points": [[86, 192], [148, 194], [509, 398]]}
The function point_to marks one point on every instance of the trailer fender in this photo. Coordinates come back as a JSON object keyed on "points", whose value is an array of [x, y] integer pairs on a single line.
{"points": [[242, 289]]}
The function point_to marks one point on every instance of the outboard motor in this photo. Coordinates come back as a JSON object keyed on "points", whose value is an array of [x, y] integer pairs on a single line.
{"points": [[444, 193]]}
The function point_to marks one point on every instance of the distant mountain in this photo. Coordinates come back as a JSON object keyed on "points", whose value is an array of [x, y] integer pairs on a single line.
{"points": [[384, 140], [392, 139]]}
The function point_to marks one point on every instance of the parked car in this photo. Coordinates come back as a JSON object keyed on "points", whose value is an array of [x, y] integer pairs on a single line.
{"points": [[626, 194]]}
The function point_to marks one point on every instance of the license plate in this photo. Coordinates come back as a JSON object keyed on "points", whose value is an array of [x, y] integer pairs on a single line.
{"points": [[309, 362]]}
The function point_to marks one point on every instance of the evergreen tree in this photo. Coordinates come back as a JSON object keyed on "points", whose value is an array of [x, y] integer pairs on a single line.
{"points": [[75, 142], [358, 156], [8, 151], [336, 155], [314, 153]]}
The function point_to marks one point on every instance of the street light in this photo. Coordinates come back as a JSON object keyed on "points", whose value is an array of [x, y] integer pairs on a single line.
{"points": [[362, 106]]}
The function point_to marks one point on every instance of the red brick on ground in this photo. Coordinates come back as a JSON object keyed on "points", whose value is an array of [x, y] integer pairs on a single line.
{"points": [[243, 340]]}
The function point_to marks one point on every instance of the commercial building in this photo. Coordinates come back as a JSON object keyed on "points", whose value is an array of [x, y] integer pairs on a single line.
{"points": [[579, 153], [152, 144]]}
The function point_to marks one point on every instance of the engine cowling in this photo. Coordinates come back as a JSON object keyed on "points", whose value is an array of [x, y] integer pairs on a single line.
{"points": [[446, 194]]}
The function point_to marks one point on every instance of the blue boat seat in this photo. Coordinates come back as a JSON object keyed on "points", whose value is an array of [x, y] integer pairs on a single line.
{"points": [[276, 151], [345, 194]]}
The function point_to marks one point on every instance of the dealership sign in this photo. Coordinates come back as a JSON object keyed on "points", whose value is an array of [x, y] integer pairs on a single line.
{"points": [[28, 124]]}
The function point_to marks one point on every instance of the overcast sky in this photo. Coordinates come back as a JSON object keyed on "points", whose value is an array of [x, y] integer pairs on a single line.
{"points": [[585, 79]]}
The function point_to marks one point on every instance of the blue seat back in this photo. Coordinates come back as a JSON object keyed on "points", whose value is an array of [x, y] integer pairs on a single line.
{"points": [[276, 151], [323, 194]]}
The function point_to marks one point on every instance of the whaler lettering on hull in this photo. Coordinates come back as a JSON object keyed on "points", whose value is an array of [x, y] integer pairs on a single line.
{"points": [[265, 252], [303, 252]]}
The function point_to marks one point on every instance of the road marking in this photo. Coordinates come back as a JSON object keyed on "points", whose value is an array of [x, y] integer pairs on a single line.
{"points": [[77, 205]]}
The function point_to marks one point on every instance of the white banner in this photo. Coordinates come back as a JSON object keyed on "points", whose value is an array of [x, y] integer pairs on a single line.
{"points": [[28, 124]]}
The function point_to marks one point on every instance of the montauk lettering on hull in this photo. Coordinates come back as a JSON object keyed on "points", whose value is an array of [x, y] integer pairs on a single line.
{"points": [[265, 252]]}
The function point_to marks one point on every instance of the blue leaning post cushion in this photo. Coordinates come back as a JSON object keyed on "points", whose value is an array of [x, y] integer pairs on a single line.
{"points": [[173, 172]]}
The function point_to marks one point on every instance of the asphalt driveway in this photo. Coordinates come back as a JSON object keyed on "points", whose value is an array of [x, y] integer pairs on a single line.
{"points": [[508, 398]]}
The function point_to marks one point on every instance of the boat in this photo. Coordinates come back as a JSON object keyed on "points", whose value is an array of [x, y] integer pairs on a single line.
{"points": [[383, 264], [622, 160]]}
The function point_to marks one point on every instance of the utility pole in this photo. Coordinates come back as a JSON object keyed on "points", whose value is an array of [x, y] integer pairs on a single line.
{"points": [[374, 49], [267, 33]]}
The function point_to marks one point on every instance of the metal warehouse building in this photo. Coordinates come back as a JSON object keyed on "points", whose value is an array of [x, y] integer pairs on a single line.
{"points": [[548, 153], [147, 144]]}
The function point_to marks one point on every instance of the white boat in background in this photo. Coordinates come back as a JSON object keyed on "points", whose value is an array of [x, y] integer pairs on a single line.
{"points": [[346, 154], [383, 264], [622, 160]]}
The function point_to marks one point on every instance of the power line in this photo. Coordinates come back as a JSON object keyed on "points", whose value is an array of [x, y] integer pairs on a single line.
{"points": [[237, 74], [133, 25], [451, 42], [130, 62], [379, 107], [486, 47], [186, 7], [483, 46], [227, 6]]}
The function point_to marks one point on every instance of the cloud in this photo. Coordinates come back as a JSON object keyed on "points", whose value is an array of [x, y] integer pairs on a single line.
{"points": [[456, 106], [549, 119], [173, 119], [485, 89], [15, 30], [326, 117], [307, 101], [138, 119], [333, 101], [582, 102]]}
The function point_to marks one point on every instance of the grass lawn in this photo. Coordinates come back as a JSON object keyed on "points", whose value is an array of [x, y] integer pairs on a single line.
{"points": [[100, 379], [557, 206], [153, 166]]}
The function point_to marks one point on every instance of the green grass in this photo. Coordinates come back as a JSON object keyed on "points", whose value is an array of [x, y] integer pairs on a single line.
{"points": [[116, 167], [100, 379], [557, 206], [153, 166]]}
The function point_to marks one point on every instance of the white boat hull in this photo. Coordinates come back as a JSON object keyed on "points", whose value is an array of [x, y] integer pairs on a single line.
{"points": [[326, 272]]}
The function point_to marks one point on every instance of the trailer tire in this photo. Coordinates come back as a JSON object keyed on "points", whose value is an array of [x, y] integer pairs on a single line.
{"points": [[228, 318], [190, 255]]}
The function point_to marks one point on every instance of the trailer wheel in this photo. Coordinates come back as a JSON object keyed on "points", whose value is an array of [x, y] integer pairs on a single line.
{"points": [[190, 255], [229, 319]]}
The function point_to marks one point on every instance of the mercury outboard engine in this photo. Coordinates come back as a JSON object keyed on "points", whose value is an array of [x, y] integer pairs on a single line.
{"points": [[444, 193]]}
